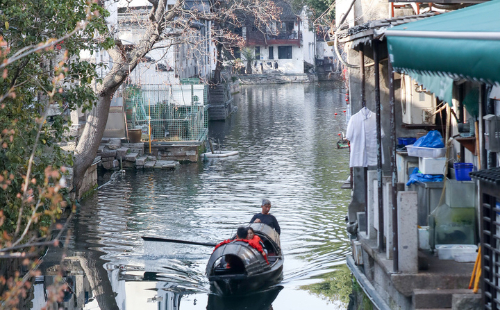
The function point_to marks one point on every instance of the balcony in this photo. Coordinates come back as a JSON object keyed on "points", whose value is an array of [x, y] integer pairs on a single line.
{"points": [[255, 38]]}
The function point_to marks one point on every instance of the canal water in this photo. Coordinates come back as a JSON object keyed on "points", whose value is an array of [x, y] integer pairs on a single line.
{"points": [[286, 137]]}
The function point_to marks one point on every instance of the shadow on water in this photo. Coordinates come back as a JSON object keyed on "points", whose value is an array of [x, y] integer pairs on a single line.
{"points": [[286, 136]]}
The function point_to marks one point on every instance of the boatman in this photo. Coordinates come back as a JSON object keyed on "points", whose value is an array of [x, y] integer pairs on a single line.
{"points": [[265, 217]]}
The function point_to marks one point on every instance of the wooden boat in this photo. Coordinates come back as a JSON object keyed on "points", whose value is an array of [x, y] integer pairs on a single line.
{"points": [[249, 270]]}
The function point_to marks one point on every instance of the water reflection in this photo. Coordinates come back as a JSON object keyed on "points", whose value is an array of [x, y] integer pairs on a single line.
{"points": [[286, 136], [256, 301]]}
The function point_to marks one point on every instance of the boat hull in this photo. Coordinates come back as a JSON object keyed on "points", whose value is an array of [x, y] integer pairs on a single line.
{"points": [[242, 284]]}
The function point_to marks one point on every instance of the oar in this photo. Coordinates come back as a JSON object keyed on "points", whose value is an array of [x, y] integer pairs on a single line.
{"points": [[145, 238]]}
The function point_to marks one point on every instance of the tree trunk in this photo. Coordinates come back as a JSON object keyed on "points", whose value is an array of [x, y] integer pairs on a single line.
{"points": [[90, 139], [218, 66], [125, 63]]}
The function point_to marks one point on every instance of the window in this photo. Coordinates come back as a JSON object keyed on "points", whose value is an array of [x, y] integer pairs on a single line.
{"points": [[236, 52], [271, 52], [284, 52], [257, 52]]}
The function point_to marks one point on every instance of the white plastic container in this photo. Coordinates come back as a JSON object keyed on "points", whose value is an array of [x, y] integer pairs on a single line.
{"points": [[448, 251], [423, 238], [429, 165], [425, 151], [465, 257]]}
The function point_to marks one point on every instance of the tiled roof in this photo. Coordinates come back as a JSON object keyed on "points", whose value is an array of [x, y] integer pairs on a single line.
{"points": [[491, 175], [287, 10], [381, 23]]}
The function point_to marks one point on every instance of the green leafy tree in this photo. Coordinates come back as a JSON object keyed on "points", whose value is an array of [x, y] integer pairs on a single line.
{"points": [[41, 70], [323, 11]]}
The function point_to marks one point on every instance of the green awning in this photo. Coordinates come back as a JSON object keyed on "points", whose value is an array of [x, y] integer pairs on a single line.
{"points": [[441, 87], [461, 44]]}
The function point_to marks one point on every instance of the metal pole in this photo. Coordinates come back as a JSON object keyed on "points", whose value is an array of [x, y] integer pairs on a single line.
{"points": [[362, 67], [379, 147], [395, 240]]}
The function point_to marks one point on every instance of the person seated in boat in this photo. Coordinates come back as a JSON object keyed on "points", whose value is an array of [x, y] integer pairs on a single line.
{"points": [[252, 236], [265, 217], [242, 235]]}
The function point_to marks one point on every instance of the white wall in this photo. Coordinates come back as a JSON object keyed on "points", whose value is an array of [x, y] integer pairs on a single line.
{"points": [[323, 50], [294, 65], [308, 37], [362, 12]]}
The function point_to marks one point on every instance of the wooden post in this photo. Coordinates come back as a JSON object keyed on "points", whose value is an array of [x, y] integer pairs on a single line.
{"points": [[379, 145], [362, 68]]}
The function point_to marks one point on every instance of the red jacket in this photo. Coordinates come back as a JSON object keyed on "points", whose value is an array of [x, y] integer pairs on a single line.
{"points": [[254, 243]]}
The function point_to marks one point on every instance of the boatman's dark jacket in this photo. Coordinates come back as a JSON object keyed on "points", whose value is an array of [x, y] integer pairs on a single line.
{"points": [[267, 219]]}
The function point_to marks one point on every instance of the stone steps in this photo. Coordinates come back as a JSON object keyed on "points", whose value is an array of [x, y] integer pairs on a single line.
{"points": [[456, 299], [132, 156]]}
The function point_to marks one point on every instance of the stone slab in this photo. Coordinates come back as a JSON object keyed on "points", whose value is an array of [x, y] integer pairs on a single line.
{"points": [[131, 157], [114, 144], [139, 145], [128, 164], [107, 159], [387, 202], [371, 176], [408, 232], [149, 158], [150, 164], [432, 299], [121, 152], [100, 149], [140, 161], [139, 167], [361, 218], [108, 165], [466, 301], [108, 153], [166, 164]]}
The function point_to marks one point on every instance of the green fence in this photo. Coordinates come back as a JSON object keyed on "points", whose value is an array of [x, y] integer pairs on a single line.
{"points": [[148, 107]]}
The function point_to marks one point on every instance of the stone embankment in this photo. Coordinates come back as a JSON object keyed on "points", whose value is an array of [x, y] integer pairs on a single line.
{"points": [[276, 78], [115, 154]]}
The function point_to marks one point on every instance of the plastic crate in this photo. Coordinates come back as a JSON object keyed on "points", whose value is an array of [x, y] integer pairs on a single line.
{"points": [[425, 151], [406, 140], [462, 171]]}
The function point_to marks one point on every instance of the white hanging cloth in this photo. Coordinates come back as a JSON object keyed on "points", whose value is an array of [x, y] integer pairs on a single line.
{"points": [[362, 134]]}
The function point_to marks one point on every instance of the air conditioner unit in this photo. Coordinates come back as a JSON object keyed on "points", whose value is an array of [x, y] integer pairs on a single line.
{"points": [[417, 105]]}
